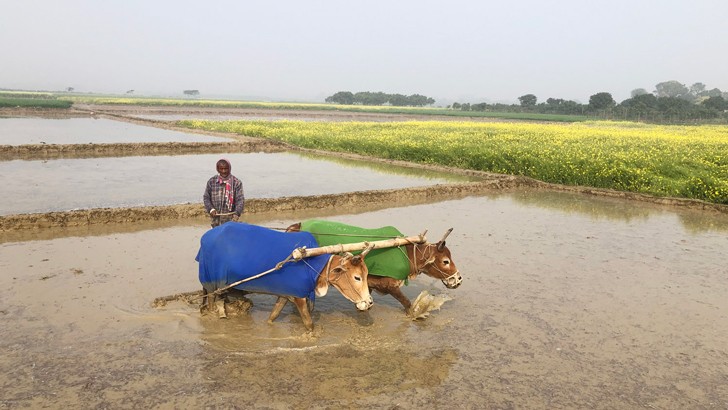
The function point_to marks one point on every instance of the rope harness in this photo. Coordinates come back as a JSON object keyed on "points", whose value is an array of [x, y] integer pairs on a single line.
{"points": [[429, 260]]}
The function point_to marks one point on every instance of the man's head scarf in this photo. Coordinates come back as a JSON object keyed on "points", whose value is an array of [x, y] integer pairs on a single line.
{"points": [[228, 194]]}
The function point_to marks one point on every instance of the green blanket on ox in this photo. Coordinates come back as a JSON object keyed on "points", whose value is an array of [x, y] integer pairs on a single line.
{"points": [[391, 262]]}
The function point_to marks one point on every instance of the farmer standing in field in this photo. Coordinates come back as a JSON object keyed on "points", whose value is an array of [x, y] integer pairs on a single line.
{"points": [[223, 198]]}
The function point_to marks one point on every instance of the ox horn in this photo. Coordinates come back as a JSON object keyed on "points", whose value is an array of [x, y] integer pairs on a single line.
{"points": [[367, 249], [441, 244], [358, 258]]}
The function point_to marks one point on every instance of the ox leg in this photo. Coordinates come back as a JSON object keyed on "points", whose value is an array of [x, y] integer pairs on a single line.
{"points": [[302, 306], [213, 304], [404, 300], [389, 286], [280, 304], [220, 308]]}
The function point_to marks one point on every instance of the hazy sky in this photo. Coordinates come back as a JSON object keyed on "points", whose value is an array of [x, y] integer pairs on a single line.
{"points": [[454, 50]]}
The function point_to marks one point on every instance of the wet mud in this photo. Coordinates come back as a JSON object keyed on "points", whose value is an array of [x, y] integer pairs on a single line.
{"points": [[568, 301]]}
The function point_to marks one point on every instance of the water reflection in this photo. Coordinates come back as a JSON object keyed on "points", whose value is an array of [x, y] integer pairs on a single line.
{"points": [[67, 184], [390, 169], [20, 131], [589, 205], [598, 208]]}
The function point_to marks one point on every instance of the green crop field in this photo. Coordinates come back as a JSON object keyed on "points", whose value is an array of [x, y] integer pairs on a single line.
{"points": [[675, 161], [173, 102], [33, 102]]}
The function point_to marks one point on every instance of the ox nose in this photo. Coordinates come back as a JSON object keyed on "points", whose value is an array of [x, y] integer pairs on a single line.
{"points": [[454, 282], [365, 304]]}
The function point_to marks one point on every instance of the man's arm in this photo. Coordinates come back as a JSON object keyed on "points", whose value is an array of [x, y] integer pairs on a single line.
{"points": [[207, 197], [239, 197]]}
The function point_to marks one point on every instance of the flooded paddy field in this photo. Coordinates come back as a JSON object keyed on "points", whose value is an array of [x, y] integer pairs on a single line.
{"points": [[567, 301], [88, 130], [67, 184]]}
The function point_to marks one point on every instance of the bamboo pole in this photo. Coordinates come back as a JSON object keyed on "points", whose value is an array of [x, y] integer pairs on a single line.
{"points": [[300, 253]]}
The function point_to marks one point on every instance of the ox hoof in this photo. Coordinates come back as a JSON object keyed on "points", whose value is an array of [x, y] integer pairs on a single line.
{"points": [[220, 307]]}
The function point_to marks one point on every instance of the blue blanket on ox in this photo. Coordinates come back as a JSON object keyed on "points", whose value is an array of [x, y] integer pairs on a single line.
{"points": [[234, 251]]}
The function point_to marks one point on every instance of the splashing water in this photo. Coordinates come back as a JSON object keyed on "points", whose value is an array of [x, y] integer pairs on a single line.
{"points": [[425, 303]]}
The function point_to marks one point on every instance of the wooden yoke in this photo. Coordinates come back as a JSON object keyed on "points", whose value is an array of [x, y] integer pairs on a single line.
{"points": [[300, 253]]}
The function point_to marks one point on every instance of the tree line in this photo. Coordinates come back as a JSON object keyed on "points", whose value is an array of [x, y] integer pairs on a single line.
{"points": [[671, 101], [379, 98]]}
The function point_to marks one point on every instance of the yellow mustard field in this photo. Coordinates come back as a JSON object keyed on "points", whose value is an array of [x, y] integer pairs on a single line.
{"points": [[677, 161]]}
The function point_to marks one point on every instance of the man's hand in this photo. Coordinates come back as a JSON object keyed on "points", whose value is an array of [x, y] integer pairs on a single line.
{"points": [[236, 217], [213, 213]]}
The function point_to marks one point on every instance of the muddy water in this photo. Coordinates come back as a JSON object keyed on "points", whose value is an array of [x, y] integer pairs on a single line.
{"points": [[67, 184], [20, 131], [568, 301]]}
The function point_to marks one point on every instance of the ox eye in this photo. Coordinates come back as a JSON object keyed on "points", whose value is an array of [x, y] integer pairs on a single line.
{"points": [[357, 278], [446, 262]]}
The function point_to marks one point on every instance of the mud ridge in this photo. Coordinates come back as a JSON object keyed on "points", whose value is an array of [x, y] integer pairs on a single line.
{"points": [[58, 151], [358, 200]]}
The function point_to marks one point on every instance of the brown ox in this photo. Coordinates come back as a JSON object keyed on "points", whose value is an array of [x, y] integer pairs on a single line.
{"points": [[431, 259], [234, 256]]}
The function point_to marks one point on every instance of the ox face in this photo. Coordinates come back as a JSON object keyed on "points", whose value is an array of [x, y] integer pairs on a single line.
{"points": [[439, 265], [350, 278]]}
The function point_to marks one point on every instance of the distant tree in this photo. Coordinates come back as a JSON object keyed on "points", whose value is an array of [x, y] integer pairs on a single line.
{"points": [[715, 92], [555, 102], [716, 103], [601, 101], [417, 100], [130, 91], [69, 89], [465, 107], [571, 107], [638, 91], [191, 92], [673, 106], [697, 89], [640, 106], [528, 100], [341, 97], [456, 106], [672, 89], [371, 98], [398, 100]]}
